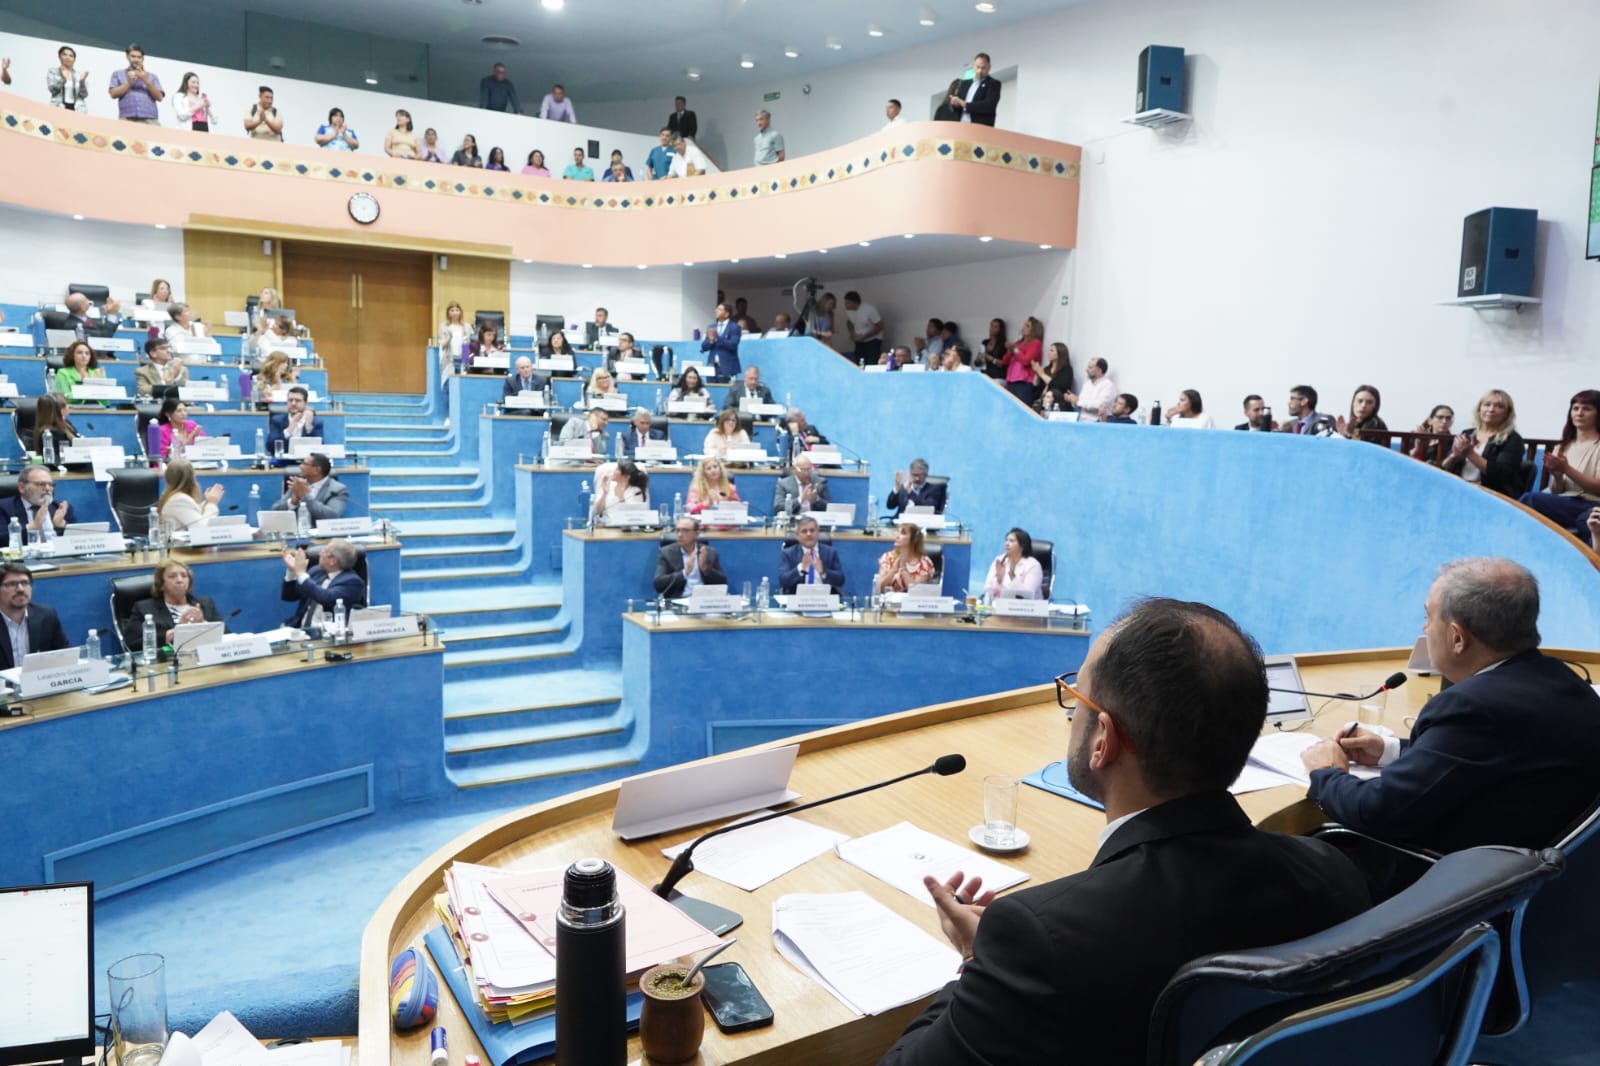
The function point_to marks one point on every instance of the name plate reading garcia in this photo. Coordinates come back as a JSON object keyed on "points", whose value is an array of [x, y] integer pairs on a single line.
{"points": [[384, 628], [344, 527], [234, 649], [90, 544], [205, 536], [64, 678], [1005, 607]]}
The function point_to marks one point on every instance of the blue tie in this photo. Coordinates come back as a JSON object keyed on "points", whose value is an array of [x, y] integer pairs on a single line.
{"points": [[811, 572]]}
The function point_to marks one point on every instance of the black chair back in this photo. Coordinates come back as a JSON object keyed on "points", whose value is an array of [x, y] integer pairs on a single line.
{"points": [[945, 483], [748, 424], [131, 492], [558, 422], [54, 361], [8, 488], [143, 414], [125, 592], [22, 417], [497, 319], [54, 319], [97, 294], [1221, 998], [1045, 552], [659, 423], [936, 553]]}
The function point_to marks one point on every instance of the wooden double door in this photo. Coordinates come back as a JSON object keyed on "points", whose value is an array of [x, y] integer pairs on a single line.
{"points": [[368, 311]]}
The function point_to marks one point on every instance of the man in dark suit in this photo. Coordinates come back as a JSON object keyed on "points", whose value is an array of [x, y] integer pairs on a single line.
{"points": [[1123, 407], [297, 420], [913, 489], [1164, 711], [323, 496], [639, 432], [1509, 754], [688, 563], [682, 122], [35, 506], [1255, 416], [749, 385], [722, 343], [600, 327], [809, 562], [978, 97], [85, 327], [801, 489], [319, 588], [30, 626], [523, 378]]}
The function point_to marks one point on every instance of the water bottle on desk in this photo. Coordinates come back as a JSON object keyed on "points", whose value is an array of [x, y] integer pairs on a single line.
{"points": [[677, 506], [302, 520], [147, 642], [585, 502], [261, 443], [247, 388], [872, 514], [177, 443], [48, 447], [763, 595], [91, 646], [14, 539], [252, 508], [591, 964], [154, 530], [152, 441], [336, 620]]}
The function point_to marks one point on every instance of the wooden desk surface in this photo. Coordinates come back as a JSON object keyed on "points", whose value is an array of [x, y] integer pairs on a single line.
{"points": [[193, 557], [1014, 733], [771, 468]]}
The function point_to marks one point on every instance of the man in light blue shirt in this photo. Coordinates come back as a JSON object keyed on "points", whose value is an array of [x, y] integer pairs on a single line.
{"points": [[769, 142], [659, 161], [556, 106], [577, 170]]}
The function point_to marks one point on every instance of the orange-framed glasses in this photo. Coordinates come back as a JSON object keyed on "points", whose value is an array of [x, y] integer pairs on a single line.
{"points": [[1069, 698]]}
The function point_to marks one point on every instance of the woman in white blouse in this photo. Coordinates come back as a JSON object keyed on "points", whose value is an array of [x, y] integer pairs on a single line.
{"points": [[182, 506], [622, 482], [67, 88], [725, 434], [1016, 570], [183, 326], [1189, 412]]}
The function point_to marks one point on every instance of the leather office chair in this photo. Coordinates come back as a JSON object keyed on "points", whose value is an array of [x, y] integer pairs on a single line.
{"points": [[125, 592], [945, 482], [131, 492], [659, 424], [661, 359], [56, 319], [22, 416], [1223, 998], [54, 361], [936, 553], [1045, 552], [558, 422], [144, 413], [748, 424], [8, 488], [97, 294], [1434, 1011], [497, 319]]}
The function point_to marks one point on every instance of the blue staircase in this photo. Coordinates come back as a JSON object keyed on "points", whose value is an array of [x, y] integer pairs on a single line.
{"points": [[522, 701]]}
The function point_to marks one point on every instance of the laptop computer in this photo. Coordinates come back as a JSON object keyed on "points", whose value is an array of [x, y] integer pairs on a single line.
{"points": [[1285, 707]]}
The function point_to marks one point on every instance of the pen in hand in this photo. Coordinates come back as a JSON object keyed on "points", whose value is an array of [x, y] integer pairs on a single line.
{"points": [[1348, 733]]}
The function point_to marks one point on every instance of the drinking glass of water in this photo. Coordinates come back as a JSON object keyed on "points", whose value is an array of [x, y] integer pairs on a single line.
{"points": [[1369, 712]]}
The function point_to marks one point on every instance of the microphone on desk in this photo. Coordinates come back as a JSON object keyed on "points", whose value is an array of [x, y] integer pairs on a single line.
{"points": [[1395, 680], [173, 653], [944, 766]]}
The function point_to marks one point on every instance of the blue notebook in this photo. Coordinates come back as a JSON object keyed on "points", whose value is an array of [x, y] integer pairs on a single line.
{"points": [[1053, 778], [505, 1044]]}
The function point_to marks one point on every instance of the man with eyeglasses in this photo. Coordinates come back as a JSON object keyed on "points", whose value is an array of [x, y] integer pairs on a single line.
{"points": [[35, 507], [30, 626], [1163, 714]]}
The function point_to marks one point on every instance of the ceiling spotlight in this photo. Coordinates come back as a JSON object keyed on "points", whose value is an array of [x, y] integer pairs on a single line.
{"points": [[985, 240], [371, 77], [747, 62], [77, 218], [926, 17], [833, 44], [1045, 247], [161, 225], [527, 260], [791, 52], [693, 74], [863, 244], [688, 262], [874, 30], [733, 260], [644, 266], [908, 236], [986, 7], [588, 266], [822, 251], [553, 5], [781, 255]]}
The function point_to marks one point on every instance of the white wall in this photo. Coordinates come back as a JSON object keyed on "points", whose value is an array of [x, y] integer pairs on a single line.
{"points": [[45, 253], [304, 106], [661, 303], [1303, 227]]}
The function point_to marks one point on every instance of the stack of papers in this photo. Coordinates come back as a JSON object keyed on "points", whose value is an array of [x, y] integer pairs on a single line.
{"points": [[868, 957], [226, 1042], [1275, 760], [749, 858], [903, 855]]}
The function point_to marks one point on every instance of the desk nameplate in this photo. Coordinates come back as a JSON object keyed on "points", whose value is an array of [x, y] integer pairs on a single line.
{"points": [[208, 535], [344, 527], [84, 674], [234, 649], [384, 628]]}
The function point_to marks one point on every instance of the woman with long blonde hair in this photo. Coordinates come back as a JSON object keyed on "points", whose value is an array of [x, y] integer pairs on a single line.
{"points": [[182, 506], [711, 485], [905, 564]]}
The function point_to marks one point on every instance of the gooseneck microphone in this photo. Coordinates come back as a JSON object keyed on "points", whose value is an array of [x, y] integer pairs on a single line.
{"points": [[1394, 681], [944, 766]]}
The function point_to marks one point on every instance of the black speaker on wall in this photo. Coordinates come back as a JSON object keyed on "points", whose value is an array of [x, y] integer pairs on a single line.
{"points": [[1497, 252], [1160, 79]]}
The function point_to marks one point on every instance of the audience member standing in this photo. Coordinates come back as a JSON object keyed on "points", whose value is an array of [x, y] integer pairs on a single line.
{"points": [[137, 91], [722, 344], [192, 106], [263, 121], [336, 135], [1022, 359], [682, 122], [496, 93], [891, 111], [1490, 453], [66, 86], [659, 161], [401, 143], [866, 328], [978, 97], [556, 107], [769, 142]]}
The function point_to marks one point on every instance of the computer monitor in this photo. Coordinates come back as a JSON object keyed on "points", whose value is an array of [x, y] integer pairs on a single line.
{"points": [[48, 968]]}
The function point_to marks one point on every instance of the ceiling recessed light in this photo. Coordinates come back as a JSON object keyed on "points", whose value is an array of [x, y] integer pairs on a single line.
{"points": [[500, 41], [822, 251], [733, 260], [986, 7], [688, 262], [792, 52], [874, 30], [527, 260], [781, 255], [644, 266], [1045, 247], [985, 240], [553, 5], [161, 225], [693, 74], [833, 44], [747, 62], [588, 266], [926, 17], [371, 78], [908, 236], [863, 244], [77, 218]]}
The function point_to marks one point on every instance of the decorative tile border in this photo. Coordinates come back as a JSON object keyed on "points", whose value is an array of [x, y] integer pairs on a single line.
{"points": [[255, 157]]}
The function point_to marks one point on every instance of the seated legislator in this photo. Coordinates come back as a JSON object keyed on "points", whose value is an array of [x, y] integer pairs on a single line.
{"points": [[488, 343], [177, 429], [721, 344], [297, 420], [602, 325], [35, 506], [625, 351], [639, 432], [277, 370], [557, 345], [184, 326], [749, 384], [273, 334], [724, 435], [805, 434], [1099, 392], [80, 364], [619, 482], [688, 388], [1070, 970], [323, 496], [601, 387], [181, 505], [809, 561], [709, 486], [1574, 467], [523, 378], [160, 370], [319, 588], [912, 489], [591, 426], [801, 489], [905, 564], [687, 564], [30, 626], [1440, 421], [50, 414], [1508, 754], [1490, 453], [105, 325], [1123, 408], [1015, 569], [171, 602]]}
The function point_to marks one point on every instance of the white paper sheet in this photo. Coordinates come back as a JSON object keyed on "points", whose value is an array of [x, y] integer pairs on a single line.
{"points": [[226, 1042], [868, 957], [1280, 753], [903, 855], [749, 858]]}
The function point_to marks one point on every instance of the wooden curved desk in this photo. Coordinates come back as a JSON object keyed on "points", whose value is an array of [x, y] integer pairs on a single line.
{"points": [[1013, 733]]}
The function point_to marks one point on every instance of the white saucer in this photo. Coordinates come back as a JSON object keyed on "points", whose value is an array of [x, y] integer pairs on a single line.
{"points": [[1019, 840]]}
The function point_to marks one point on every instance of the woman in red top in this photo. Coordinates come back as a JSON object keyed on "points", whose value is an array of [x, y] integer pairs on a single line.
{"points": [[905, 564], [1022, 359]]}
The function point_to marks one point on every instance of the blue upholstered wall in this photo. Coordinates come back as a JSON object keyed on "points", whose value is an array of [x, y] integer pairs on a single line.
{"points": [[1311, 544]]}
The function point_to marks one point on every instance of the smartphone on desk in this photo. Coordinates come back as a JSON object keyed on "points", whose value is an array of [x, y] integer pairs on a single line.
{"points": [[733, 999]]}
